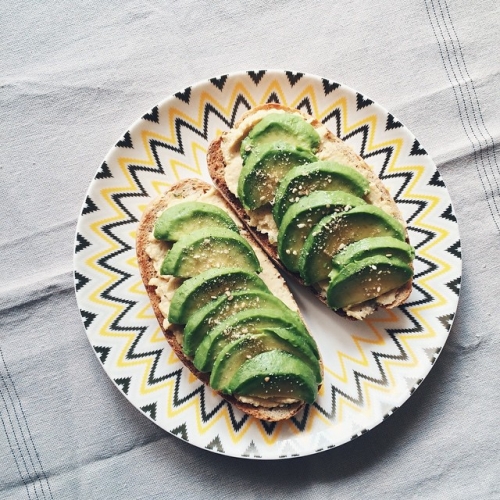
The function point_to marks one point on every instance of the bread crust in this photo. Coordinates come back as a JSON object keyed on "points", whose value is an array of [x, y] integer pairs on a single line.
{"points": [[217, 166], [183, 189]]}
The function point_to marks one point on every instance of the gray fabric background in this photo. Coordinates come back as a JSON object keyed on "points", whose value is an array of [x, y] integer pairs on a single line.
{"points": [[74, 76]]}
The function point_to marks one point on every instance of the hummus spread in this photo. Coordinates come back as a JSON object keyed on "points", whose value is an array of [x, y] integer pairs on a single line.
{"points": [[330, 148], [167, 285]]}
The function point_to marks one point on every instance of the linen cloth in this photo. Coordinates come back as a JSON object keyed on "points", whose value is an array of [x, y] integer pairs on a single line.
{"points": [[74, 76]]}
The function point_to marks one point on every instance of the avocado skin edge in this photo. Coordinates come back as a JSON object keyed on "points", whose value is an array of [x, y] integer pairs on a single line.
{"points": [[174, 263], [199, 288], [381, 224], [166, 227], [368, 271], [267, 373]]}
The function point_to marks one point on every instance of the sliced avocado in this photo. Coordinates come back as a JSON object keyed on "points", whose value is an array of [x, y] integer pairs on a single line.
{"points": [[215, 312], [209, 248], [275, 374], [302, 216], [368, 247], [285, 127], [335, 231], [263, 170], [245, 322], [195, 292], [184, 218], [240, 350], [321, 175], [366, 279]]}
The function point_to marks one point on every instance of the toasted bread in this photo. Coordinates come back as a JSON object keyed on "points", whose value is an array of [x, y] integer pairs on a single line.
{"points": [[192, 189], [331, 148]]}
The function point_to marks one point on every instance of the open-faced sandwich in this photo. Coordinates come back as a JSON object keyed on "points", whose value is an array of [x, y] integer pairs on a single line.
{"points": [[316, 208], [223, 306]]}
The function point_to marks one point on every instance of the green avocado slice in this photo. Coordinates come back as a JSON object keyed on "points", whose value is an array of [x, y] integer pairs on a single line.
{"points": [[335, 231], [184, 218], [195, 292], [240, 350], [213, 313], [284, 127], [321, 175], [245, 322], [302, 216], [263, 170], [209, 248], [366, 279], [368, 247], [275, 374]]}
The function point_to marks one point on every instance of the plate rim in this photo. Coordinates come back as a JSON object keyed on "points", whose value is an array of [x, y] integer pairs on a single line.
{"points": [[458, 266]]}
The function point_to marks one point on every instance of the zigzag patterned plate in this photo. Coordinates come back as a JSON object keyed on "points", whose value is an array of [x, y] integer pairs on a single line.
{"points": [[371, 367]]}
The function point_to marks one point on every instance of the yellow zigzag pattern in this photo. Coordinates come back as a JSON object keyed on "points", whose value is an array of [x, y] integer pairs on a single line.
{"points": [[178, 168]]}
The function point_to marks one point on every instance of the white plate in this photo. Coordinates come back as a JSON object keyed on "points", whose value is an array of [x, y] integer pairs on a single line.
{"points": [[371, 367]]}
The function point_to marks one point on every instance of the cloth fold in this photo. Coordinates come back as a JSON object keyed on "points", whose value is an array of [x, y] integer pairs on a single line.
{"points": [[73, 80]]}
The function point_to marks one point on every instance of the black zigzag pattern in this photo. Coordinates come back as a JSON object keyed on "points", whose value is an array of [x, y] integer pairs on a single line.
{"points": [[80, 281], [429, 267], [436, 180], [305, 105], [87, 317], [153, 115], [388, 151], [110, 230], [273, 97], [181, 432], [256, 76], [301, 424], [81, 243], [126, 142], [215, 445], [455, 249], [219, 82], [150, 410], [293, 78], [362, 102], [448, 214], [102, 352], [447, 320], [454, 286], [89, 207], [417, 150], [104, 172], [328, 86], [184, 95], [392, 123], [123, 383]]}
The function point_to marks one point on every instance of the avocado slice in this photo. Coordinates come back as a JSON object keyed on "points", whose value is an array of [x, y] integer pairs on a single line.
{"points": [[368, 247], [321, 175], [366, 279], [241, 349], [195, 292], [213, 313], [285, 127], [206, 249], [335, 231], [263, 170], [184, 218], [275, 374], [248, 321], [302, 216]]}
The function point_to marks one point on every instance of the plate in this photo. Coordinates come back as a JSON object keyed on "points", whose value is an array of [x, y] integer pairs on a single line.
{"points": [[371, 367]]}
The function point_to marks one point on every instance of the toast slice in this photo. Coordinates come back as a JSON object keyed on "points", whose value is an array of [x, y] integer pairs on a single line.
{"points": [[160, 288], [225, 164]]}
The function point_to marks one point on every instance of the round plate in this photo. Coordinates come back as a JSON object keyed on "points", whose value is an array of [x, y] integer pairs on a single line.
{"points": [[371, 367]]}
